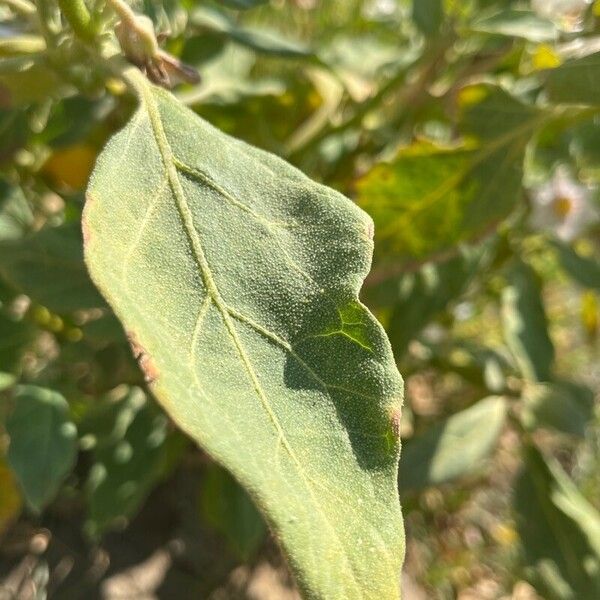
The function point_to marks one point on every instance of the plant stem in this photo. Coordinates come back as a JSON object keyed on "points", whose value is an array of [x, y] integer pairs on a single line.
{"points": [[79, 18]]}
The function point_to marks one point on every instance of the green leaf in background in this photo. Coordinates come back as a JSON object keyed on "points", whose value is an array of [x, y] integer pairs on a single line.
{"points": [[525, 323], [560, 562], [428, 15], [426, 292], [430, 198], [130, 452], [585, 270], [237, 279], [48, 266], [15, 336], [517, 23], [226, 506], [43, 443], [575, 81], [16, 217], [454, 447], [562, 405], [260, 40]]}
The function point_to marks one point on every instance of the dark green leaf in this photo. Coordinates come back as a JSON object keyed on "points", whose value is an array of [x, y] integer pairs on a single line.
{"points": [[43, 443], [14, 339], [260, 40], [230, 511], [16, 217], [525, 324], [428, 15], [130, 456], [576, 81], [48, 266], [561, 563], [583, 269], [564, 406]]}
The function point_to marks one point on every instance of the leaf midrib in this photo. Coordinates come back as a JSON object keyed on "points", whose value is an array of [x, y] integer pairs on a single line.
{"points": [[169, 162]]}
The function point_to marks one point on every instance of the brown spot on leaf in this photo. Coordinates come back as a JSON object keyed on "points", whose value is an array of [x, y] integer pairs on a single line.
{"points": [[370, 230], [395, 419], [144, 360]]}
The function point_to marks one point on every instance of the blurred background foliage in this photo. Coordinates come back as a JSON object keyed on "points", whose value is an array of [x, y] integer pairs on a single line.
{"points": [[470, 131]]}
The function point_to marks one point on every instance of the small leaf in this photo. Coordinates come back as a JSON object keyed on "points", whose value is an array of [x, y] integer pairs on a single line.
{"points": [[564, 406], [260, 40], [575, 81], [526, 325], [42, 443], [130, 456], [454, 447], [429, 198], [228, 509], [48, 266], [237, 279]]}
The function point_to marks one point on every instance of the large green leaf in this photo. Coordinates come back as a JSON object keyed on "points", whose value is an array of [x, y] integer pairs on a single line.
{"points": [[48, 266], [453, 447], [430, 198], [560, 561], [526, 325], [237, 279], [43, 442]]}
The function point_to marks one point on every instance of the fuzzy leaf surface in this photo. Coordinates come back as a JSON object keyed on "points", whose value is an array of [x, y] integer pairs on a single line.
{"points": [[237, 279]]}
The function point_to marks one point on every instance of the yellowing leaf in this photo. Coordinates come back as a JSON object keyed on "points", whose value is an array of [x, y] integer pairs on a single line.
{"points": [[71, 166], [10, 498]]}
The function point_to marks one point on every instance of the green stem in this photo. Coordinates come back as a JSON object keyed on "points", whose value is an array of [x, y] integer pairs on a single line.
{"points": [[79, 18]]}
